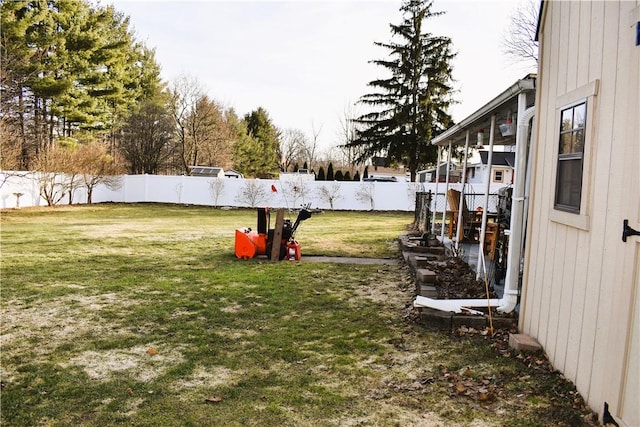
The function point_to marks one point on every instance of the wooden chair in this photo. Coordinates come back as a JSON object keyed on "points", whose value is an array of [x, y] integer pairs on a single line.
{"points": [[492, 233], [471, 220]]}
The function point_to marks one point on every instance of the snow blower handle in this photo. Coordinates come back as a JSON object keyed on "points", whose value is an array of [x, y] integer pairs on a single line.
{"points": [[303, 215]]}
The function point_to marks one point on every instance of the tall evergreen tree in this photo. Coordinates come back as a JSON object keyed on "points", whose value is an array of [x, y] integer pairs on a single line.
{"points": [[330, 176], [258, 155], [412, 103], [67, 67]]}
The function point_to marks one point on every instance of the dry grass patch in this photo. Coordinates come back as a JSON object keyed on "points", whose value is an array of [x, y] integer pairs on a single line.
{"points": [[142, 363]]}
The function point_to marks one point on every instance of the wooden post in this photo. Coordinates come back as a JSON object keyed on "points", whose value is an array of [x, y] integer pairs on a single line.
{"points": [[277, 236]]}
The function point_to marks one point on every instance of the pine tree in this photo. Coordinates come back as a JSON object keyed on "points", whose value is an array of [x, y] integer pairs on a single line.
{"points": [[68, 67], [330, 172], [258, 155], [413, 102], [320, 176]]}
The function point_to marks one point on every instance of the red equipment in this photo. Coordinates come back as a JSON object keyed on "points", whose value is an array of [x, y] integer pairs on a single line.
{"points": [[249, 243]]}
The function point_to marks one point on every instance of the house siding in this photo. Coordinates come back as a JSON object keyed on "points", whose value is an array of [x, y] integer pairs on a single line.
{"points": [[575, 295]]}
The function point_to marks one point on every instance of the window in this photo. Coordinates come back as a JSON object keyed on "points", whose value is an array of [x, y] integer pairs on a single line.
{"points": [[570, 158], [497, 176]]}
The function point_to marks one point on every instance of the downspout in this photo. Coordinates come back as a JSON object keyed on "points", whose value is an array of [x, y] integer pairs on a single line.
{"points": [[433, 223], [446, 189], [485, 205], [464, 180], [510, 296]]}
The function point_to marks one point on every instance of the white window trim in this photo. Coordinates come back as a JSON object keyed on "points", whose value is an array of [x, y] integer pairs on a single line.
{"points": [[586, 93]]}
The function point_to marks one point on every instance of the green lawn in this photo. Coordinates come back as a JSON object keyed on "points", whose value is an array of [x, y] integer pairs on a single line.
{"points": [[141, 315]]}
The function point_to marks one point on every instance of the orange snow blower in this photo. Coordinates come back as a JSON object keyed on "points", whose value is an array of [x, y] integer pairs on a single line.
{"points": [[276, 243]]}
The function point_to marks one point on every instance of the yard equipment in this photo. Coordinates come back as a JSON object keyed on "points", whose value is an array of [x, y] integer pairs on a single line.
{"points": [[251, 243]]}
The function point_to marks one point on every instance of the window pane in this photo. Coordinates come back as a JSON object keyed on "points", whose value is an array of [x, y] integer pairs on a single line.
{"points": [[565, 143], [579, 113], [569, 183], [578, 143], [566, 122]]}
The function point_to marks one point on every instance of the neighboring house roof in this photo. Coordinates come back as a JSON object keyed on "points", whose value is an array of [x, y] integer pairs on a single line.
{"points": [[381, 179], [380, 161], [500, 158], [205, 170], [443, 168], [230, 173]]}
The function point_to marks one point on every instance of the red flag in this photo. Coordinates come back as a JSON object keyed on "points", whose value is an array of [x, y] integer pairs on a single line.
{"points": [[273, 188]]}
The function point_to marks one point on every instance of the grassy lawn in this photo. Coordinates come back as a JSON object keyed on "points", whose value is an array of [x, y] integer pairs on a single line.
{"points": [[141, 315]]}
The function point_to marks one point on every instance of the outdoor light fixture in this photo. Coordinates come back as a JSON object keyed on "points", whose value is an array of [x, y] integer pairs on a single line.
{"points": [[506, 129], [479, 145]]}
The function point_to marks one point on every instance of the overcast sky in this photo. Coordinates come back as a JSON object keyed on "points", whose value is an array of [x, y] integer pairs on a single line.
{"points": [[307, 61]]}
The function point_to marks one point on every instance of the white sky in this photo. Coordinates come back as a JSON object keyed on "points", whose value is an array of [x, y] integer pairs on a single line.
{"points": [[305, 62]]}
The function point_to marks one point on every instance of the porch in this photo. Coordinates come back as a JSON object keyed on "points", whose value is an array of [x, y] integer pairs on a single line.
{"points": [[507, 119]]}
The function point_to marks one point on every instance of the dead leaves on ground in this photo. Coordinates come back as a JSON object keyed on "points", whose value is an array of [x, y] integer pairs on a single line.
{"points": [[468, 384]]}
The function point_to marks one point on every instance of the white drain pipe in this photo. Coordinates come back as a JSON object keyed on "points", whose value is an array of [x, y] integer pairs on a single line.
{"points": [[510, 296], [435, 196], [446, 199]]}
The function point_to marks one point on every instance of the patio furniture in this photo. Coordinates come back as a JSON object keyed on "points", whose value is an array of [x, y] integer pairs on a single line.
{"points": [[471, 220]]}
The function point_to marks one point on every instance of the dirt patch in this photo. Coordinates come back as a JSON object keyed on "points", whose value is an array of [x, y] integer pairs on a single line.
{"points": [[456, 280]]}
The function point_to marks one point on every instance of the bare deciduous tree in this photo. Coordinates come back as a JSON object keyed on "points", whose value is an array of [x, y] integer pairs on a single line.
{"points": [[95, 167], [297, 189], [253, 193], [184, 96], [309, 149], [52, 179], [519, 41], [330, 193], [291, 145], [216, 187], [365, 194], [348, 134]]}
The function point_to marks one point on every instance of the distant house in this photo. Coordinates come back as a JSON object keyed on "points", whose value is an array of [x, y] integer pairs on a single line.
{"points": [[212, 171], [380, 167], [581, 280], [230, 173], [502, 168], [380, 179], [429, 175]]}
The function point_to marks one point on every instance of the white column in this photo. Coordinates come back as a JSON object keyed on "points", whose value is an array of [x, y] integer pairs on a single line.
{"points": [[464, 179], [485, 205], [446, 189]]}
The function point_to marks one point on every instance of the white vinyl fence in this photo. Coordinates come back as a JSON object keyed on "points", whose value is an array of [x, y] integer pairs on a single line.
{"points": [[22, 189]]}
